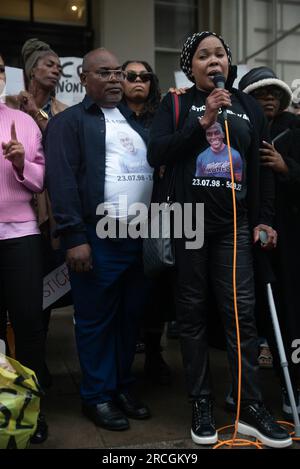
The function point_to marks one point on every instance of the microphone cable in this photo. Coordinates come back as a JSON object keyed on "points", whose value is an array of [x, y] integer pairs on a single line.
{"points": [[234, 441]]}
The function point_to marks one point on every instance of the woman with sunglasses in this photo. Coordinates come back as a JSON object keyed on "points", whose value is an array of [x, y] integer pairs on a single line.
{"points": [[142, 95], [205, 55], [283, 157]]}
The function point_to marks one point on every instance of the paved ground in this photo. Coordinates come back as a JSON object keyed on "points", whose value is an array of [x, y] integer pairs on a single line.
{"points": [[169, 426]]}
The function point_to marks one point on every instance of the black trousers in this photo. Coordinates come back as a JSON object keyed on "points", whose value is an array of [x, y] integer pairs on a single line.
{"points": [[194, 268], [21, 293]]}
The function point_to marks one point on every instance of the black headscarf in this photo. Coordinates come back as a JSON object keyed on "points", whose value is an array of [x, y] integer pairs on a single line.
{"points": [[188, 51]]}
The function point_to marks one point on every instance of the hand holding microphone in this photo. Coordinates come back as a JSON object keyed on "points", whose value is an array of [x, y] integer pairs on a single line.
{"points": [[218, 98]]}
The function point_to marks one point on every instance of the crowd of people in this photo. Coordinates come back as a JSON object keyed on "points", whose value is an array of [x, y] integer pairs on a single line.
{"points": [[60, 164]]}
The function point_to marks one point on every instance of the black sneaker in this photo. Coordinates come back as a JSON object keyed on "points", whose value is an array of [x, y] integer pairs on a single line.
{"points": [[256, 420], [286, 405], [203, 424]]}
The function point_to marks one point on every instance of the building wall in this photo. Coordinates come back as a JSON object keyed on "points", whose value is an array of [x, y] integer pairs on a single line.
{"points": [[125, 27], [249, 25]]}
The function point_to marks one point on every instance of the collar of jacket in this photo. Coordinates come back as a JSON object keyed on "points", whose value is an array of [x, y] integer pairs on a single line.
{"points": [[89, 103]]}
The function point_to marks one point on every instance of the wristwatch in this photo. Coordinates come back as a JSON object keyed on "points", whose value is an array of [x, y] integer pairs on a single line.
{"points": [[41, 114]]}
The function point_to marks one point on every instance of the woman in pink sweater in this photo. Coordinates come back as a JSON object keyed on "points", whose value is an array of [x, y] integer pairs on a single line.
{"points": [[22, 170]]}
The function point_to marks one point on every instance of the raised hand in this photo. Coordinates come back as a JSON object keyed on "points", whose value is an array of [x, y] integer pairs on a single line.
{"points": [[14, 150]]}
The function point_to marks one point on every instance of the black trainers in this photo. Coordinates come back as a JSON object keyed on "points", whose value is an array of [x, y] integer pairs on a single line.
{"points": [[203, 424], [286, 405], [256, 420]]}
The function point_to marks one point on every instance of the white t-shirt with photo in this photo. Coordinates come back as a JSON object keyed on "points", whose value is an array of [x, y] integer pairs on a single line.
{"points": [[127, 171]]}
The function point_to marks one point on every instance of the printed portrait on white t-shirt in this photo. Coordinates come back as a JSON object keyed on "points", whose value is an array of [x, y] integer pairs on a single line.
{"points": [[133, 159], [214, 161]]}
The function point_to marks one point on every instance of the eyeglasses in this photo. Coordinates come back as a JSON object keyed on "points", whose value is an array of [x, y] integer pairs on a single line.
{"points": [[2, 69], [107, 75], [274, 91], [143, 76]]}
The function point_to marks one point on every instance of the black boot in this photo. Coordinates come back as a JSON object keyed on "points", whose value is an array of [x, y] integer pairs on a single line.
{"points": [[41, 433]]}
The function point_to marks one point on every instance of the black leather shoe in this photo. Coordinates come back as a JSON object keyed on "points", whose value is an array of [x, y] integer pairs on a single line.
{"points": [[156, 369], [203, 430], [131, 406], [256, 420], [106, 415], [41, 433]]}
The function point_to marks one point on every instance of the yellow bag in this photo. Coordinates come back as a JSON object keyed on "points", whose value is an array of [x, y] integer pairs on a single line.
{"points": [[19, 404]]}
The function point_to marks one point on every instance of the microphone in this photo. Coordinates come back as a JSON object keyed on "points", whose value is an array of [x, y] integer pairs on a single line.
{"points": [[219, 82]]}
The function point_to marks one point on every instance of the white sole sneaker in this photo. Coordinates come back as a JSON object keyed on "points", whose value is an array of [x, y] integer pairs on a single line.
{"points": [[204, 440], [245, 429]]}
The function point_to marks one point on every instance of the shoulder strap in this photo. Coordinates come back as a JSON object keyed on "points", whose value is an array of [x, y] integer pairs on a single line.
{"points": [[176, 109]]}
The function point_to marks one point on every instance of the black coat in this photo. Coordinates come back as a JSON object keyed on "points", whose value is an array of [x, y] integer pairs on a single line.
{"points": [[286, 258], [168, 146]]}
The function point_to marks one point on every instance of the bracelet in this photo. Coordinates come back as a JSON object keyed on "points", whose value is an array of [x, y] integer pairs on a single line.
{"points": [[42, 114]]}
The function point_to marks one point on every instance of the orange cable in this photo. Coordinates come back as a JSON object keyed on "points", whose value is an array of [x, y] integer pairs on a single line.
{"points": [[235, 441]]}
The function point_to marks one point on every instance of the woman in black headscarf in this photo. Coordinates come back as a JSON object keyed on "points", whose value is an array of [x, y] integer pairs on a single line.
{"points": [[199, 154]]}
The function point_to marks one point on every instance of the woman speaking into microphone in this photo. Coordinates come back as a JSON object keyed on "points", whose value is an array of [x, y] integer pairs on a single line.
{"points": [[198, 150]]}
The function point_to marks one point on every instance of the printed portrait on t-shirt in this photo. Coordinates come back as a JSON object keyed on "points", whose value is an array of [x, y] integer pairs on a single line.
{"points": [[214, 161], [133, 159]]}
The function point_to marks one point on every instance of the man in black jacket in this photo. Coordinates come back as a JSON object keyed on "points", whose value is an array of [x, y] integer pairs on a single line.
{"points": [[85, 157]]}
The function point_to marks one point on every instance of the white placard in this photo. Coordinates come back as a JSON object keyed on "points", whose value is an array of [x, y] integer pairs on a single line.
{"points": [[56, 285], [181, 81], [14, 82], [69, 89], [241, 71]]}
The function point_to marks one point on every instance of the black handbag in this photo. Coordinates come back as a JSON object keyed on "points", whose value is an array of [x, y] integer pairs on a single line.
{"points": [[158, 252]]}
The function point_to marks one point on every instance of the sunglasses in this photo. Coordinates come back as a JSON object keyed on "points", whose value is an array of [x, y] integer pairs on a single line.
{"points": [[268, 90], [2, 69], [143, 76]]}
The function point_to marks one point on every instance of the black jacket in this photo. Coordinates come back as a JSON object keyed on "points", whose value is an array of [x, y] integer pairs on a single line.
{"points": [[75, 166], [168, 146]]}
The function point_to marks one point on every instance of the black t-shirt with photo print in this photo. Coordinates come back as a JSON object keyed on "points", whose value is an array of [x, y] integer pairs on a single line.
{"points": [[207, 177]]}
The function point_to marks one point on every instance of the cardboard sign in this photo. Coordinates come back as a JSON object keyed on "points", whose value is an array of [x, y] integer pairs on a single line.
{"points": [[69, 89], [56, 285]]}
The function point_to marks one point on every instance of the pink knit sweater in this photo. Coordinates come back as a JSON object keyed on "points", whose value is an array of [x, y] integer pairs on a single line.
{"points": [[15, 192]]}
